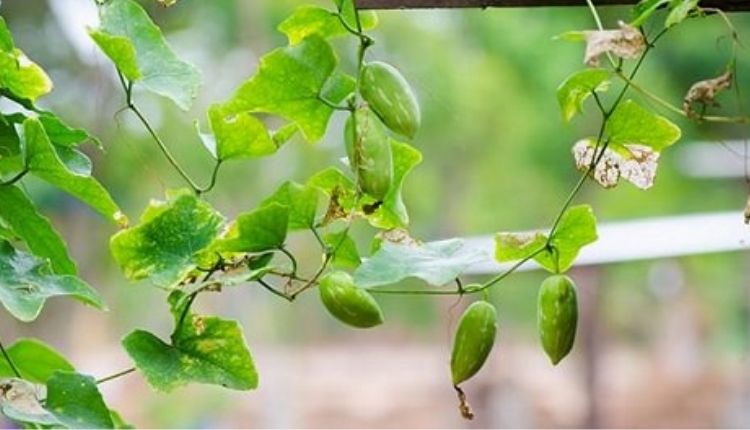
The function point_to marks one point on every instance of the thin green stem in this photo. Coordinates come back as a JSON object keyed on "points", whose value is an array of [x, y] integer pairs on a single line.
{"points": [[192, 297], [128, 88], [333, 105], [214, 178], [291, 258], [323, 245], [595, 14], [600, 26], [116, 375], [9, 361], [417, 292], [505, 274], [274, 291], [16, 178]]}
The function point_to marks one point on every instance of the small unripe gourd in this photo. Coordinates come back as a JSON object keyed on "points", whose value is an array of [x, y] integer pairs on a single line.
{"points": [[473, 341], [557, 316], [389, 94], [347, 303], [369, 152]]}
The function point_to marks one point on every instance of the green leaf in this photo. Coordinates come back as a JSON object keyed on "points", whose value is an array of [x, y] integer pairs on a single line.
{"points": [[680, 9], [312, 20], [18, 74], [121, 51], [517, 246], [392, 213], [26, 282], [21, 401], [35, 360], [138, 49], [260, 230], [45, 163], [302, 202], [578, 87], [346, 255], [577, 228], [76, 402], [11, 157], [34, 229], [437, 263], [644, 9], [290, 82], [62, 134], [238, 135], [6, 38], [205, 350], [163, 246], [630, 124], [636, 138], [284, 134]]}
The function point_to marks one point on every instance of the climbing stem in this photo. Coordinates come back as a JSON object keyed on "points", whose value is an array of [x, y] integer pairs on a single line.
{"points": [[9, 360]]}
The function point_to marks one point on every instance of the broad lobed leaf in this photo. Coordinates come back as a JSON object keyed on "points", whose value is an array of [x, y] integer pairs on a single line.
{"points": [[437, 263], [45, 162], [139, 51], [577, 228], [204, 349], [26, 282], [312, 20], [163, 246], [290, 82]]}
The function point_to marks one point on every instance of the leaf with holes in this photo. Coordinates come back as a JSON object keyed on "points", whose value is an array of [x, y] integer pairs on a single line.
{"points": [[636, 138], [139, 51], [163, 246], [437, 263], [290, 82], [26, 282]]}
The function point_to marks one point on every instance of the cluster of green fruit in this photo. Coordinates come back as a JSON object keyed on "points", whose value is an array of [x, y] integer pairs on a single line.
{"points": [[389, 102], [557, 313]]}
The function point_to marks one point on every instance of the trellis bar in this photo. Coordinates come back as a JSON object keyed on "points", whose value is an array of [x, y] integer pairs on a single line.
{"points": [[727, 5]]}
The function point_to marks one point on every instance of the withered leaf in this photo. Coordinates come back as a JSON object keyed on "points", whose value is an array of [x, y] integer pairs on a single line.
{"points": [[627, 43], [705, 92]]}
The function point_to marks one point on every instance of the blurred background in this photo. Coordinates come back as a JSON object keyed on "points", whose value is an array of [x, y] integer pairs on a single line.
{"points": [[662, 343]]}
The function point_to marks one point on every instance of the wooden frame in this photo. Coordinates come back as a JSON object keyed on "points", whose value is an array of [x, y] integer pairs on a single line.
{"points": [[727, 5]]}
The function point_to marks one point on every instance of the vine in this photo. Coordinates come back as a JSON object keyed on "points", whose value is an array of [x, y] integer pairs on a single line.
{"points": [[186, 247]]}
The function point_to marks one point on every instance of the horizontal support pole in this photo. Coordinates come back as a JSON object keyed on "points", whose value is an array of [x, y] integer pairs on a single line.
{"points": [[727, 5]]}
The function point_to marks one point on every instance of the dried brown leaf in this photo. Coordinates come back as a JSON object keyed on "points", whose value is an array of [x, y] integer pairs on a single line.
{"points": [[636, 164], [705, 92], [626, 43]]}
